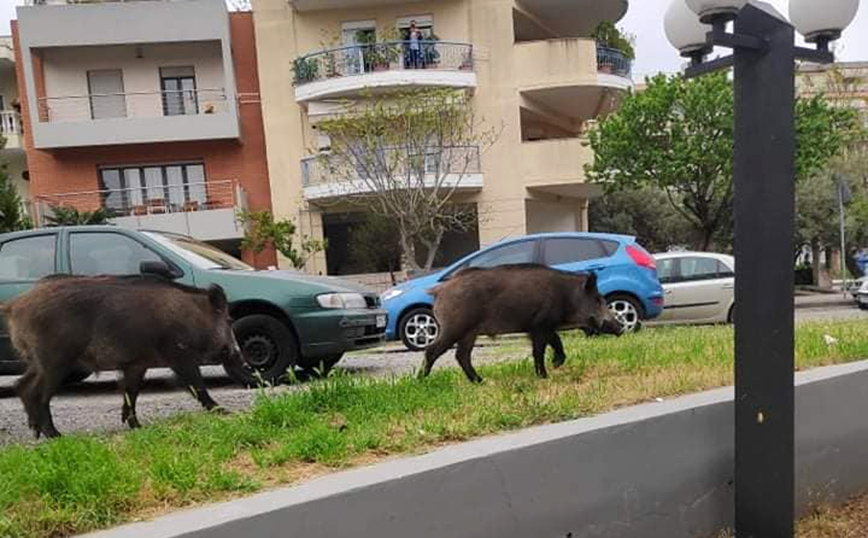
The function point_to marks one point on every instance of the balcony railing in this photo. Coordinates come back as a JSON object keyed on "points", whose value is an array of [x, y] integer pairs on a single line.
{"points": [[10, 123], [389, 56], [435, 163], [158, 199], [614, 62], [95, 106]]}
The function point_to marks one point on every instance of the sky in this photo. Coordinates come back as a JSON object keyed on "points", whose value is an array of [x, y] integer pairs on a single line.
{"points": [[644, 19]]}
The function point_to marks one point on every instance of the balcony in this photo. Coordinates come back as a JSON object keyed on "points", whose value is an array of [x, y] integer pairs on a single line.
{"points": [[565, 18], [325, 177], [347, 71], [571, 79], [557, 167], [204, 210], [10, 129], [134, 117]]}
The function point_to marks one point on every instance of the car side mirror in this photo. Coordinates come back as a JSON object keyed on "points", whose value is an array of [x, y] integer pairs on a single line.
{"points": [[158, 268]]}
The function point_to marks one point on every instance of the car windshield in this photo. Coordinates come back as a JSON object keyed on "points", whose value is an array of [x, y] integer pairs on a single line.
{"points": [[200, 254]]}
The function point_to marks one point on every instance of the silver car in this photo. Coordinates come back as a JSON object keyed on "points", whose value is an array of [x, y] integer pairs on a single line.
{"points": [[699, 287]]}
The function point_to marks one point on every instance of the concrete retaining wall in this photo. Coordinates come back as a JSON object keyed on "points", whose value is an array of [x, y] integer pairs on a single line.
{"points": [[657, 470]]}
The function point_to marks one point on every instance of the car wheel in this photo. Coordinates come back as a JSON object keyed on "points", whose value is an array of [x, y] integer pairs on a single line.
{"points": [[269, 349], [320, 366], [418, 328], [77, 376], [627, 311]]}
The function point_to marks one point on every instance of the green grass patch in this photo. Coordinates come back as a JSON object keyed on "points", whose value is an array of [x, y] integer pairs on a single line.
{"points": [[81, 483]]}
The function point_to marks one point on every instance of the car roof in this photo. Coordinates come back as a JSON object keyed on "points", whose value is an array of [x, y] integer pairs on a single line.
{"points": [[83, 228], [586, 235], [686, 253]]}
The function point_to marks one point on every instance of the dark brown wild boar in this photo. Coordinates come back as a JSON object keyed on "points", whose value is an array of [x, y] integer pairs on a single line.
{"points": [[115, 323], [511, 299]]}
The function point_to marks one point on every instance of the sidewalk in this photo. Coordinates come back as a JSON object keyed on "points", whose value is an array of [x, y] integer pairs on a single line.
{"points": [[824, 300]]}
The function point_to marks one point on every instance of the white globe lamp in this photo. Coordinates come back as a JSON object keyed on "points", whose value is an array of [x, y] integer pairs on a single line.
{"points": [[822, 21], [715, 9], [683, 29]]}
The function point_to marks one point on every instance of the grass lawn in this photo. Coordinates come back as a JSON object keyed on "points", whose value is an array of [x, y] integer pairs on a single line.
{"points": [[80, 483]]}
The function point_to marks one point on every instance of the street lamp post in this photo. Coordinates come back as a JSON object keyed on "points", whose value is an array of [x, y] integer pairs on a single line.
{"points": [[764, 55]]}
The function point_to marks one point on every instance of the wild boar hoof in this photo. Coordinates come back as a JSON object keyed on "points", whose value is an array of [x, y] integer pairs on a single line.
{"points": [[134, 423]]}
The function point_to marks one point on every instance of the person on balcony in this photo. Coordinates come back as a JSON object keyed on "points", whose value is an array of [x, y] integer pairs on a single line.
{"points": [[415, 39]]}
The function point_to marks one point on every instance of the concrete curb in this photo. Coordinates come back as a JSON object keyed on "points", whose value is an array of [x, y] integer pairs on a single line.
{"points": [[654, 470]]}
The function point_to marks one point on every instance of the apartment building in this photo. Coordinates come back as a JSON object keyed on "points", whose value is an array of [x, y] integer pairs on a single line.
{"points": [[149, 109], [531, 70], [843, 84], [12, 154]]}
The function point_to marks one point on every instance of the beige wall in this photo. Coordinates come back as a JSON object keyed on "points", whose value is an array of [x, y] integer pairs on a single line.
{"points": [[66, 71], [509, 166]]}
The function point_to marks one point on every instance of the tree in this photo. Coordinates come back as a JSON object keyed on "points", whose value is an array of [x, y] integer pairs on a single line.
{"points": [[677, 136], [374, 245], [12, 217], [644, 213], [70, 216], [263, 231], [403, 156]]}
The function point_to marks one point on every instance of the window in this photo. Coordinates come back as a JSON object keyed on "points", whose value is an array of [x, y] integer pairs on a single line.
{"points": [[106, 89], [107, 254], [154, 189], [696, 268], [724, 271], [667, 270], [524, 252], [571, 250], [178, 85], [30, 258]]}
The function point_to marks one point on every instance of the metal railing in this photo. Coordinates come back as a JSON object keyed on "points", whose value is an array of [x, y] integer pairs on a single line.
{"points": [[150, 104], [613, 61], [435, 162], [388, 56], [153, 199], [10, 123]]}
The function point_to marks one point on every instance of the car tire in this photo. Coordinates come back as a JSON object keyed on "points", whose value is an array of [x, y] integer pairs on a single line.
{"points": [[269, 349], [319, 366], [627, 310], [418, 328], [77, 376]]}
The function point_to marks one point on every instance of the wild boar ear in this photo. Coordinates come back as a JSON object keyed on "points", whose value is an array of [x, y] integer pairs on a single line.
{"points": [[591, 283], [217, 297]]}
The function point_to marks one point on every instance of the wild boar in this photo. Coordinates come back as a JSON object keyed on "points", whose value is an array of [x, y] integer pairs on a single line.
{"points": [[515, 298], [115, 323]]}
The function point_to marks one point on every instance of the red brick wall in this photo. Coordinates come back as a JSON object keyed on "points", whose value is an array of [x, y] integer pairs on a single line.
{"points": [[75, 169]]}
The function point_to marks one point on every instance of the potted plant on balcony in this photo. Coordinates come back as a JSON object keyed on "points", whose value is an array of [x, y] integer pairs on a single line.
{"points": [[304, 70], [430, 52], [609, 36]]}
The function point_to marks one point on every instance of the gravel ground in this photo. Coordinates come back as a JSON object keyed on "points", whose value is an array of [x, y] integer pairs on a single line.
{"points": [[95, 404]]}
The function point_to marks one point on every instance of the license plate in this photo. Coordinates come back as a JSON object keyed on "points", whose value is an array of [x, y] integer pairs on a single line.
{"points": [[381, 321]]}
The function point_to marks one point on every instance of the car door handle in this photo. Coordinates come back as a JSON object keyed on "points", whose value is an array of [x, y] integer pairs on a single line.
{"points": [[728, 286]]}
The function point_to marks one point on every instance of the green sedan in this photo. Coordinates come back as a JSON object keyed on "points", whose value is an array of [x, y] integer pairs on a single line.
{"points": [[282, 319]]}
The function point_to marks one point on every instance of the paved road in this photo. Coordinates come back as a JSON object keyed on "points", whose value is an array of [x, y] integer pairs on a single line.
{"points": [[95, 404]]}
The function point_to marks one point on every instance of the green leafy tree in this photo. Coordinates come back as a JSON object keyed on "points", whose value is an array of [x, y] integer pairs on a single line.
{"points": [[609, 35], [12, 217], [403, 156], [374, 245], [263, 231], [677, 136], [645, 213]]}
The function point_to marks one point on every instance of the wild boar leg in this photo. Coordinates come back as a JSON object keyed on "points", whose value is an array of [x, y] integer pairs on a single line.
{"points": [[558, 346], [132, 382], [434, 351], [26, 391], [539, 340], [462, 355], [190, 375], [45, 388]]}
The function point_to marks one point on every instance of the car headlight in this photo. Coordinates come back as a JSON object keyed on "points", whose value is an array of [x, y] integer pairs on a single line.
{"points": [[391, 294], [341, 300]]}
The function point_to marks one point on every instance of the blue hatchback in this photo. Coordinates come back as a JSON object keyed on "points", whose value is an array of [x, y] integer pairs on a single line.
{"points": [[627, 277]]}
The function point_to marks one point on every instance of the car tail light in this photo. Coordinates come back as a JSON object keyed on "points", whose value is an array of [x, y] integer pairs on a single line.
{"points": [[640, 257]]}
